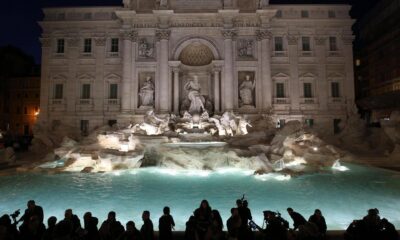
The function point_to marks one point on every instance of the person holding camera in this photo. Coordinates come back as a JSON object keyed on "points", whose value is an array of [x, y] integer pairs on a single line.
{"points": [[276, 226], [32, 210]]}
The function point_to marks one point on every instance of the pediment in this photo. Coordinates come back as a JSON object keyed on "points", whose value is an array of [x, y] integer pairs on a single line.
{"points": [[335, 75], [307, 75], [59, 77], [113, 77], [85, 76], [280, 75]]}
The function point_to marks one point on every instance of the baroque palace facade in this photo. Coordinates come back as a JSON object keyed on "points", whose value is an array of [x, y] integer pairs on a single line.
{"points": [[112, 64]]}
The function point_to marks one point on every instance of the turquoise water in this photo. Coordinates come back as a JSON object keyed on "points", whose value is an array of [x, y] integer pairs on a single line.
{"points": [[342, 196]]}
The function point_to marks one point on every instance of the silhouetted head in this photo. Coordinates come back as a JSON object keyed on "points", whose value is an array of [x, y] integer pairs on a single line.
{"points": [[238, 203], [51, 222], [215, 214], [130, 226], [384, 221], [146, 215], [31, 204], [111, 216], [5, 220], [245, 203], [204, 204], [87, 216], [290, 210], [318, 212], [166, 210], [68, 214], [268, 215], [234, 211]]}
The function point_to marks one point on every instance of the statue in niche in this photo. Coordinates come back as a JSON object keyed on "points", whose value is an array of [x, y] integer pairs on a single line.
{"points": [[162, 4], [246, 90], [146, 93], [246, 48], [197, 101], [127, 3], [145, 49]]}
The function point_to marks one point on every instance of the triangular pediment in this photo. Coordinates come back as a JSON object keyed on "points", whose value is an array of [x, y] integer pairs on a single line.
{"points": [[113, 77], [280, 75], [85, 76], [335, 75], [59, 77], [307, 75]]}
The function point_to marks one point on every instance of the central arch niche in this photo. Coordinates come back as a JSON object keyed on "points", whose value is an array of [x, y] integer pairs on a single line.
{"points": [[196, 57], [196, 54]]}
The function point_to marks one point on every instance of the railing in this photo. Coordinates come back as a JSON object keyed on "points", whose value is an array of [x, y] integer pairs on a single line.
{"points": [[335, 100], [57, 101], [333, 54], [85, 101], [306, 54], [280, 53], [308, 100], [281, 100], [113, 54], [112, 101]]}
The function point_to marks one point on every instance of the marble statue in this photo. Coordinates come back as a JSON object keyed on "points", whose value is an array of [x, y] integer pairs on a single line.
{"points": [[127, 3], [196, 99], [145, 49], [246, 89], [146, 93], [152, 124], [162, 4], [242, 126]]}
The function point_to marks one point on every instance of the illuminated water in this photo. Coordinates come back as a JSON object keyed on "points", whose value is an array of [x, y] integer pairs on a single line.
{"points": [[342, 196]]}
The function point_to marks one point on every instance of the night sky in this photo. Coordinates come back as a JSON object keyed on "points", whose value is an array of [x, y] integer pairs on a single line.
{"points": [[18, 18]]}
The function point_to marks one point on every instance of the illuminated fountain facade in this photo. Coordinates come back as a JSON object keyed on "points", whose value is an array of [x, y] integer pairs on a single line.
{"points": [[106, 65]]}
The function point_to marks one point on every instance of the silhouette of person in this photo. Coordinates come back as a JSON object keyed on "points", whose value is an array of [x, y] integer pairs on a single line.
{"points": [[165, 225], [297, 218], [91, 232], [203, 218], [49, 234], [147, 230], [111, 228], [131, 233], [319, 221]]}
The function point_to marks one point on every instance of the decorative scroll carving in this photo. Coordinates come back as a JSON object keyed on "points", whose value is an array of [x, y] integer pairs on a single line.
{"points": [[163, 34], [320, 40], [130, 35], [229, 33], [292, 40], [263, 34], [100, 41]]}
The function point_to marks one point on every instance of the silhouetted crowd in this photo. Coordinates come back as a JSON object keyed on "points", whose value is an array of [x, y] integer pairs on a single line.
{"points": [[205, 224]]}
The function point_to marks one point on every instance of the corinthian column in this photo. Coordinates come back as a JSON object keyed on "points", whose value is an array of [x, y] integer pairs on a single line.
{"points": [[217, 70], [128, 37], [163, 88], [228, 89], [349, 83], [176, 90], [264, 38]]}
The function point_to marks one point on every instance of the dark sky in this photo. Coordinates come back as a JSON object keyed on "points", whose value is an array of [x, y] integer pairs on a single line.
{"points": [[18, 18]]}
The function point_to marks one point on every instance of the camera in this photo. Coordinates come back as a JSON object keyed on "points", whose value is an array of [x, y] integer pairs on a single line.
{"points": [[15, 214], [253, 225]]}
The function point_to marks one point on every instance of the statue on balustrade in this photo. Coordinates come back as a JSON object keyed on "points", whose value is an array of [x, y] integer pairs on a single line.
{"points": [[146, 93], [246, 91], [146, 50]]}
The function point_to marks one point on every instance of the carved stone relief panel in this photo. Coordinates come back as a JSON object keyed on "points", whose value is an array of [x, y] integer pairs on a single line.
{"points": [[246, 48], [146, 48]]}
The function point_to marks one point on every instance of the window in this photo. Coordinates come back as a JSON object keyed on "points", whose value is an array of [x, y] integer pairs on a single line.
{"points": [[336, 126], [358, 62], [331, 14], [332, 44], [279, 13], [280, 90], [58, 91], [335, 91], [304, 14], [305, 41], [114, 45], [113, 91], [278, 44], [307, 90], [85, 91], [60, 45], [87, 45]]}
